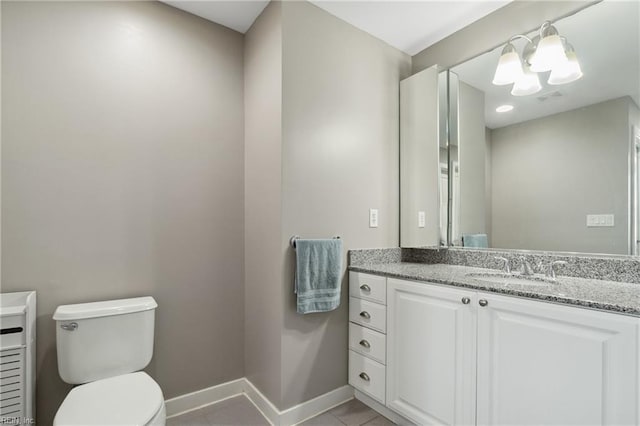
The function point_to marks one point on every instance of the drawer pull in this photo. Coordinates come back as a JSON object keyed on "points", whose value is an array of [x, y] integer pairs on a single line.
{"points": [[466, 300], [365, 377], [365, 344], [365, 314], [365, 287], [483, 302]]}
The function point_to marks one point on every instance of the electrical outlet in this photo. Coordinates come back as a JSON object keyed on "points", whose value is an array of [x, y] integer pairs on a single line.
{"points": [[373, 218]]}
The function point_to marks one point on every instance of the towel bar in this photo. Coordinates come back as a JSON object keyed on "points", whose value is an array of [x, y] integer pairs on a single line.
{"points": [[293, 239]]}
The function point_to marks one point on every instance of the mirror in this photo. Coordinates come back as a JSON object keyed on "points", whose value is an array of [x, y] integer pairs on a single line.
{"points": [[559, 171], [423, 159]]}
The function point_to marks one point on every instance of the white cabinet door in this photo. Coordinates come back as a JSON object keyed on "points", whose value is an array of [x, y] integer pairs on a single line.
{"points": [[431, 353], [546, 364]]}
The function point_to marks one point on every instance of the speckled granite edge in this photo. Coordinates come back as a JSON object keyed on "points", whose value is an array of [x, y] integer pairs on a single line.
{"points": [[369, 256], [629, 308], [609, 268]]}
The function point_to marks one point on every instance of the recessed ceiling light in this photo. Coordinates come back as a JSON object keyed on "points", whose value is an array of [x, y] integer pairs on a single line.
{"points": [[504, 108]]}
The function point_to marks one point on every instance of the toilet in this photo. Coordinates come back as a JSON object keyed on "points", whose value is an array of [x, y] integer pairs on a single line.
{"points": [[102, 347]]}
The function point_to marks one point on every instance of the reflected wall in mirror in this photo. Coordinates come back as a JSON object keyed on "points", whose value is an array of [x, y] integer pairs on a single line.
{"points": [[423, 159], [558, 172]]}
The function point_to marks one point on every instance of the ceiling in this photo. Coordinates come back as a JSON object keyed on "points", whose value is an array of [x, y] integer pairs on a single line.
{"points": [[235, 14], [606, 38], [409, 26]]}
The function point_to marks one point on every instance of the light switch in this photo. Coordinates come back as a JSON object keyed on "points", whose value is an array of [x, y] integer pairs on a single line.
{"points": [[421, 219], [373, 218]]}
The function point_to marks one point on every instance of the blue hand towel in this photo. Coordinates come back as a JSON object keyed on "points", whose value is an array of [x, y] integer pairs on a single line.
{"points": [[318, 275], [475, 240]]}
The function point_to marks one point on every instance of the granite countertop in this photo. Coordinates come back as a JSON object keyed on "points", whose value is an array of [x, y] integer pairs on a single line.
{"points": [[596, 294]]}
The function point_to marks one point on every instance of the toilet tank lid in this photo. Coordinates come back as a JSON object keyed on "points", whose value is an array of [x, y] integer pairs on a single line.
{"points": [[104, 309]]}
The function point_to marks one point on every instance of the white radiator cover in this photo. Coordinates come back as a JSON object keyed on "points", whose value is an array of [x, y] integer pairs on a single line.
{"points": [[17, 355]]}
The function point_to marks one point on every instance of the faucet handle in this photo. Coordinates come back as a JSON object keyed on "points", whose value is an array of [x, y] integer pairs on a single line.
{"points": [[551, 269], [526, 266], [506, 267]]}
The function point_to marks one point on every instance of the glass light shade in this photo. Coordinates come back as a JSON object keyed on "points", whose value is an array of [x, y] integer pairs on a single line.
{"points": [[568, 72], [528, 84], [549, 54], [509, 68]]}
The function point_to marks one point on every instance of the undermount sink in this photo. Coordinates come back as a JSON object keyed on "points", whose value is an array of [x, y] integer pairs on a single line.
{"points": [[510, 279]]}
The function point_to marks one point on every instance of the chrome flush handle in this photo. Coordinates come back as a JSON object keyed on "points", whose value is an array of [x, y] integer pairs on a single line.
{"points": [[70, 326]]}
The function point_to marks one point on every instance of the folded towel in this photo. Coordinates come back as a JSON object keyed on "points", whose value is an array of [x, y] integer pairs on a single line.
{"points": [[475, 240], [318, 275]]}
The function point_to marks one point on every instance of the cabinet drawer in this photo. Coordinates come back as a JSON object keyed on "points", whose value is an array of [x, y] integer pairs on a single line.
{"points": [[369, 314], [367, 376], [369, 287], [368, 342]]}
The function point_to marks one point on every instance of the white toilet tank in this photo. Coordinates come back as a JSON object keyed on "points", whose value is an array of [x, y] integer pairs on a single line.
{"points": [[104, 339]]}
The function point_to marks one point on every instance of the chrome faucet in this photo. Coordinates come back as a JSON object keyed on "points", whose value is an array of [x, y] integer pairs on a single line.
{"points": [[506, 267], [526, 268], [551, 268]]}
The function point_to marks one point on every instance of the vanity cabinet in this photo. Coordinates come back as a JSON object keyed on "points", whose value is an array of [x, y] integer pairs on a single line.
{"points": [[367, 334], [465, 357], [431, 353]]}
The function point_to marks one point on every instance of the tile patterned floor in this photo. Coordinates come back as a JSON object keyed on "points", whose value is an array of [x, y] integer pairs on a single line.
{"points": [[239, 411]]}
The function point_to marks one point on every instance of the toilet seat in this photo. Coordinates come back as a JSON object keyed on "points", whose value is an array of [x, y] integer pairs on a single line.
{"points": [[129, 399]]}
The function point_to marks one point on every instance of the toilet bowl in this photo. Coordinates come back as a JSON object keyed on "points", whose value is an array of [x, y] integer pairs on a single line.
{"points": [[129, 399], [102, 346]]}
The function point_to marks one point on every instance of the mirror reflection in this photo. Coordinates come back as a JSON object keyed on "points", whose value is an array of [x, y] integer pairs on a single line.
{"points": [[553, 167]]}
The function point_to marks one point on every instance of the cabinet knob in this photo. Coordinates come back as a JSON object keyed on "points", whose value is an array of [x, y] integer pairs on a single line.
{"points": [[365, 314], [365, 344], [364, 376], [483, 302], [466, 300], [365, 287]]}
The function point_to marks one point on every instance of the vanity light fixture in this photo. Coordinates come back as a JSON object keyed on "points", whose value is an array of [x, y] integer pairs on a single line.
{"points": [[504, 108], [567, 72], [509, 67], [528, 84], [547, 51]]}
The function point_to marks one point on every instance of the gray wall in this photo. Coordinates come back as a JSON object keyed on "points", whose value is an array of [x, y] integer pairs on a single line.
{"points": [[340, 158], [122, 175], [494, 29], [549, 173], [263, 200]]}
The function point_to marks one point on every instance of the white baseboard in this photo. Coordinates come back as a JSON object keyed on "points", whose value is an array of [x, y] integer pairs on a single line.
{"points": [[313, 407], [375, 405], [262, 403], [294, 415], [198, 399]]}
